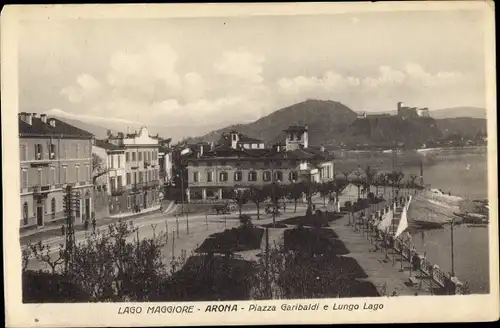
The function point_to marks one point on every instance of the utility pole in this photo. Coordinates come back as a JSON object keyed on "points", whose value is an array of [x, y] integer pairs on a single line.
{"points": [[182, 189], [69, 203]]}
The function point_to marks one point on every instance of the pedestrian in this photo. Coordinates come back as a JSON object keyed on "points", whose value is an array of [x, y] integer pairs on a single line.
{"points": [[86, 224], [94, 223], [63, 230]]}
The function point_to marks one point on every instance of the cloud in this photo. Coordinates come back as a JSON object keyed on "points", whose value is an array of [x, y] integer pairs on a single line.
{"points": [[242, 65], [388, 82], [86, 86]]}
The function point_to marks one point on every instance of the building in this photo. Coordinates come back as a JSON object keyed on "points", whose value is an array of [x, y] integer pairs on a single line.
{"points": [[53, 154], [406, 112], [361, 115], [213, 174], [240, 140], [111, 178], [165, 161], [423, 112], [133, 177]]}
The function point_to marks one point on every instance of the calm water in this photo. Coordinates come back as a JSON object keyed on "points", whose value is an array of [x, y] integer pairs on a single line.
{"points": [[463, 172]]}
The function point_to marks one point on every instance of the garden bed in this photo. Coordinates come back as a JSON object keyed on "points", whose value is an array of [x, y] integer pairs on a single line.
{"points": [[326, 276], [314, 220], [209, 278], [233, 240], [314, 241], [277, 225]]}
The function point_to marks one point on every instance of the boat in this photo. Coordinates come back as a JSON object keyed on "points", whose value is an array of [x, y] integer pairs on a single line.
{"points": [[472, 218], [428, 224]]}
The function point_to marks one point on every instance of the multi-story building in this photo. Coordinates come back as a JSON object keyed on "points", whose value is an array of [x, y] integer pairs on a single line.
{"points": [[53, 154], [134, 182], [212, 174], [165, 161], [112, 182]]}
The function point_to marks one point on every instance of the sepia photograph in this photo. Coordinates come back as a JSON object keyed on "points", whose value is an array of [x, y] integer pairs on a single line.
{"points": [[167, 165]]}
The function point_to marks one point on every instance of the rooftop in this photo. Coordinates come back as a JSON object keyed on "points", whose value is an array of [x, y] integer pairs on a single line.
{"points": [[58, 128], [106, 145], [296, 128]]}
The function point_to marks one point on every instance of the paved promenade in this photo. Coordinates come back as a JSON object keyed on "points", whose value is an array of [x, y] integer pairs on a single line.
{"points": [[384, 273]]}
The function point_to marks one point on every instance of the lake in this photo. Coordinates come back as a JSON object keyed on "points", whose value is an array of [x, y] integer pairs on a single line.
{"points": [[462, 172]]}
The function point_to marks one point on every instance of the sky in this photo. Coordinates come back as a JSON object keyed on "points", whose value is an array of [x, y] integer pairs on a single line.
{"points": [[225, 70]]}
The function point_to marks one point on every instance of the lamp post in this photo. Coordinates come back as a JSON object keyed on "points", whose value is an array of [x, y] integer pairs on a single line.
{"points": [[452, 253]]}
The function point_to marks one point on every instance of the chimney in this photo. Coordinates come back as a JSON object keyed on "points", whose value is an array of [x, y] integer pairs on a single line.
{"points": [[52, 122], [306, 127], [201, 150], [322, 148], [29, 118], [43, 117], [22, 116], [212, 146], [35, 114]]}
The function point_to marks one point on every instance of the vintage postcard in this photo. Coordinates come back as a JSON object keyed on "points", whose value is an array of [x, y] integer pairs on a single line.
{"points": [[249, 164]]}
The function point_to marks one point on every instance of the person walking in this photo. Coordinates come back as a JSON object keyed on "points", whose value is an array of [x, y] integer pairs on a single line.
{"points": [[94, 223]]}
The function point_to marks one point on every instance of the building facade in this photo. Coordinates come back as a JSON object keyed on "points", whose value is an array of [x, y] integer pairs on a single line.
{"points": [[133, 178], [53, 154], [212, 174]]}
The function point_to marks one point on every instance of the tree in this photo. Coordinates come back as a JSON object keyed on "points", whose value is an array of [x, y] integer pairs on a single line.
{"points": [[378, 181], [369, 177], [258, 196], [295, 192], [98, 167], [42, 252], [337, 186], [275, 193], [324, 191], [241, 197]]}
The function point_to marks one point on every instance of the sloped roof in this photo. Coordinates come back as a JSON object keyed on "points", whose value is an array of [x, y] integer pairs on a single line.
{"points": [[106, 145], [61, 129], [243, 138]]}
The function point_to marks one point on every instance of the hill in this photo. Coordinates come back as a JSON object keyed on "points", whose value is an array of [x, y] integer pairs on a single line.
{"points": [[463, 126], [390, 130], [324, 118], [333, 124], [454, 112]]}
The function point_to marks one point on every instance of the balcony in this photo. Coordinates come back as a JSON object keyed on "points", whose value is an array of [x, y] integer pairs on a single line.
{"points": [[117, 191], [41, 190]]}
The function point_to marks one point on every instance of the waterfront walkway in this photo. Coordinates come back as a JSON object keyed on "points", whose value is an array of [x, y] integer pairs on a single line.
{"points": [[382, 271]]}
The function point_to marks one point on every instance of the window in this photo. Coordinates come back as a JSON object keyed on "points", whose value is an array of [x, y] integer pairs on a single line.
{"points": [[133, 156], [128, 202], [119, 158], [24, 178], [65, 174], [209, 176], [140, 156], [112, 161], [292, 176], [266, 176], [223, 176], [278, 176], [25, 213], [38, 151], [252, 176], [53, 207], [77, 151], [127, 157], [23, 154], [52, 151], [238, 176], [135, 178], [52, 176], [128, 178], [196, 176], [39, 178], [65, 151], [77, 173]]}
